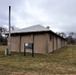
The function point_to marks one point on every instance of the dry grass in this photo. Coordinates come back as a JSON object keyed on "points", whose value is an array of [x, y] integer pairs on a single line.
{"points": [[61, 62], [2, 48]]}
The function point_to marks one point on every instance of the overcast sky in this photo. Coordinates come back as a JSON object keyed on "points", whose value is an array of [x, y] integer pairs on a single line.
{"points": [[60, 15]]}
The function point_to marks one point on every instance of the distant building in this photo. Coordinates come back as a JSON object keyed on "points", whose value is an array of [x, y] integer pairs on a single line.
{"points": [[44, 40]]}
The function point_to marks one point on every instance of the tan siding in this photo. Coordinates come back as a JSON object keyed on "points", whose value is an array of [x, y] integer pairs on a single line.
{"points": [[26, 39], [15, 43], [62, 43], [47, 41], [40, 43], [50, 44], [54, 42], [65, 42]]}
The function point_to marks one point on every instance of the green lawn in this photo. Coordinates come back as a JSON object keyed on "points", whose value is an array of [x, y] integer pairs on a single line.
{"points": [[62, 61]]}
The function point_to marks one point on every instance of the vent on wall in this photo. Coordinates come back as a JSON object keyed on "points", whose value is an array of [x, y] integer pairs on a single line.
{"points": [[50, 37]]}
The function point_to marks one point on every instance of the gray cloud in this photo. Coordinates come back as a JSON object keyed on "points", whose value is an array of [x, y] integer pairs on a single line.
{"points": [[60, 15]]}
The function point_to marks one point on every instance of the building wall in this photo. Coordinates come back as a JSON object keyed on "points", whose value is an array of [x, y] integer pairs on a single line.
{"points": [[50, 43], [62, 42], [15, 43], [40, 43], [58, 42], [65, 42], [26, 39], [55, 43]]}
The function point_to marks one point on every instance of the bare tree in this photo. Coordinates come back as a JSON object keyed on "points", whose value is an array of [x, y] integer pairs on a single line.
{"points": [[71, 39], [2, 37], [63, 34], [14, 28]]}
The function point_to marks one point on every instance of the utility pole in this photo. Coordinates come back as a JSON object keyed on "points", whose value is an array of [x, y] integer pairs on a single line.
{"points": [[9, 39]]}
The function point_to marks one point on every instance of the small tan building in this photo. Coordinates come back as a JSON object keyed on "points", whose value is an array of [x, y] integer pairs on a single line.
{"points": [[44, 40]]}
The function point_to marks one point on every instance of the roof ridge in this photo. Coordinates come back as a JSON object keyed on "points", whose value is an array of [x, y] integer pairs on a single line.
{"points": [[32, 27]]}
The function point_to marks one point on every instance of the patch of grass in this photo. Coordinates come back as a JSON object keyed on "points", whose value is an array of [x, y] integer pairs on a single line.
{"points": [[62, 61]]}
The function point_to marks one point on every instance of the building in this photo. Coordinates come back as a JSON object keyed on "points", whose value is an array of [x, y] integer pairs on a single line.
{"points": [[44, 40]]}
